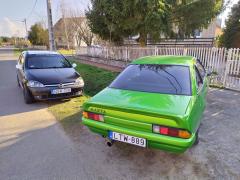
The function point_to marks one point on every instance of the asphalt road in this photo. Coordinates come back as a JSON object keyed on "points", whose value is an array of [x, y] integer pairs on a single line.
{"points": [[32, 144]]}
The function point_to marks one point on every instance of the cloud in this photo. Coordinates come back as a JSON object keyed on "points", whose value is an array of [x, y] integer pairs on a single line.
{"points": [[11, 28]]}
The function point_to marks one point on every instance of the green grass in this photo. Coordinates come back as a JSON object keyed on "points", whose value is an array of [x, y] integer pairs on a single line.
{"points": [[17, 52], [67, 52], [95, 78], [68, 112]]}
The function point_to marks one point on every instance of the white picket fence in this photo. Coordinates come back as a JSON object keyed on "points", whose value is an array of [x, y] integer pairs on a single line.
{"points": [[224, 63]]}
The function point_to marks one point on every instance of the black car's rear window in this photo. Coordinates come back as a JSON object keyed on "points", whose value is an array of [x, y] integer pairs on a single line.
{"points": [[166, 79], [46, 61]]}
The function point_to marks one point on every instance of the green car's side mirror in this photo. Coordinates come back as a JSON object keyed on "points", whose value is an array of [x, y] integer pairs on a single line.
{"points": [[209, 73]]}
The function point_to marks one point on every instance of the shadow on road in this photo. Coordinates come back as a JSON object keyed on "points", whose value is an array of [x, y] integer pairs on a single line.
{"points": [[11, 96], [42, 153]]}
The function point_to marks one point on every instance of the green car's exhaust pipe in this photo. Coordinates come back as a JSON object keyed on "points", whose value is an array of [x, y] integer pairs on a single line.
{"points": [[109, 142]]}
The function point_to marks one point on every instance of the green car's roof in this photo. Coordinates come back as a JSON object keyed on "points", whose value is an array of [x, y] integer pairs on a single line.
{"points": [[177, 60]]}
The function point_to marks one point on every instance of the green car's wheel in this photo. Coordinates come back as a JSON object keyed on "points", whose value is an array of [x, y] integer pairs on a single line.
{"points": [[27, 96], [197, 139]]}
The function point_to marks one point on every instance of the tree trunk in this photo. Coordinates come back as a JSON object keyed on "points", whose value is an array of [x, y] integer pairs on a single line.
{"points": [[143, 39]]}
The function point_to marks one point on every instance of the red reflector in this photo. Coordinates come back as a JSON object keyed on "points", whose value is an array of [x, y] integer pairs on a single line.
{"points": [[90, 115], [96, 117], [164, 130], [173, 132], [169, 131]]}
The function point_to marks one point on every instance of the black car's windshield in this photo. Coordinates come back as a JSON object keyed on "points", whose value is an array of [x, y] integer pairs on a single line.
{"points": [[47, 61], [166, 79]]}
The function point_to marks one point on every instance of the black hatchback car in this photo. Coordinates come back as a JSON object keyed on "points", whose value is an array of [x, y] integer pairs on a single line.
{"points": [[45, 75]]}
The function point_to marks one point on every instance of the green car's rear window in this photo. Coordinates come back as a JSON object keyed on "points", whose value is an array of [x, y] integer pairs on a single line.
{"points": [[166, 79]]}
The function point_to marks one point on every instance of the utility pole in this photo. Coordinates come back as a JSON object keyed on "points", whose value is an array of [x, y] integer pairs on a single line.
{"points": [[25, 23], [50, 26]]}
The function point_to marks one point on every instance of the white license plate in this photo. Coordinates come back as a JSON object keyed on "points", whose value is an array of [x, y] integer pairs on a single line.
{"points": [[127, 139], [61, 91]]}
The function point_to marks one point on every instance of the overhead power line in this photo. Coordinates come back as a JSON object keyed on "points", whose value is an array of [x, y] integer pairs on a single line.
{"points": [[25, 19], [33, 8]]}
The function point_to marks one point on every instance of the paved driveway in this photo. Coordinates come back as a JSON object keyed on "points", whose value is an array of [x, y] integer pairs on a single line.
{"points": [[32, 144]]}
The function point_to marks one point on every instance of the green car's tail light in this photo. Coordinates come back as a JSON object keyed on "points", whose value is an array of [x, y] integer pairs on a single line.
{"points": [[93, 116], [174, 132]]}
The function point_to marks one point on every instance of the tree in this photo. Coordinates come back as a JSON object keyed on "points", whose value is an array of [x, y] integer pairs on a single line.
{"points": [[80, 26], [231, 34], [38, 35], [101, 17], [190, 15], [114, 20], [5, 39]]}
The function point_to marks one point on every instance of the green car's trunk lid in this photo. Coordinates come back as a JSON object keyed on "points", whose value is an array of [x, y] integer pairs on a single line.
{"points": [[139, 110]]}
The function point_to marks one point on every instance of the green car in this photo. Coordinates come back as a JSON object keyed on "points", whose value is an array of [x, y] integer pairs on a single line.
{"points": [[156, 102]]}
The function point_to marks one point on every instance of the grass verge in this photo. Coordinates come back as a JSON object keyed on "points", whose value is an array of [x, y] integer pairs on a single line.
{"points": [[67, 52], [95, 78], [17, 52], [68, 112]]}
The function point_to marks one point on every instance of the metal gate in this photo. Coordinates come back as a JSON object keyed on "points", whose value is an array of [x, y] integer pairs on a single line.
{"points": [[232, 75]]}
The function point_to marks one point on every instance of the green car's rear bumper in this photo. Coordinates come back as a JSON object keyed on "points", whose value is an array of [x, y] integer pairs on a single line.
{"points": [[157, 141]]}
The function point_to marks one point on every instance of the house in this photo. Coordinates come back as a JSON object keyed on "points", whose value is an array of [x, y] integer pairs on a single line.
{"points": [[205, 37], [212, 31], [66, 32]]}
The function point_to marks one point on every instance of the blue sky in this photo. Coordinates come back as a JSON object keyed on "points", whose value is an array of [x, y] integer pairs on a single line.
{"points": [[12, 12]]}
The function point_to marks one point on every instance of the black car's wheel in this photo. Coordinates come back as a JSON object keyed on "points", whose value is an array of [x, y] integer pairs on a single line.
{"points": [[28, 98], [18, 82]]}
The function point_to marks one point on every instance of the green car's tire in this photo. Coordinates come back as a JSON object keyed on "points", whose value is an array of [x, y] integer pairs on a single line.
{"points": [[27, 96], [197, 139]]}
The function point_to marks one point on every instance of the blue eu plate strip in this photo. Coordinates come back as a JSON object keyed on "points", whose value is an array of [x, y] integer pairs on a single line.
{"points": [[110, 134]]}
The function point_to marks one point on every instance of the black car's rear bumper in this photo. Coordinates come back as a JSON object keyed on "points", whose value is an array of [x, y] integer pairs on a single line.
{"points": [[44, 93]]}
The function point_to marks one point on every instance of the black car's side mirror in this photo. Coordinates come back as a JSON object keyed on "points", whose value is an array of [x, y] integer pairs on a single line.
{"points": [[18, 66], [74, 65]]}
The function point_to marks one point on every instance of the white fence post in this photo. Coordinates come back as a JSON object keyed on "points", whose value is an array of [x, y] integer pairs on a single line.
{"points": [[227, 67], [107, 53], [156, 51], [185, 50], [126, 54]]}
